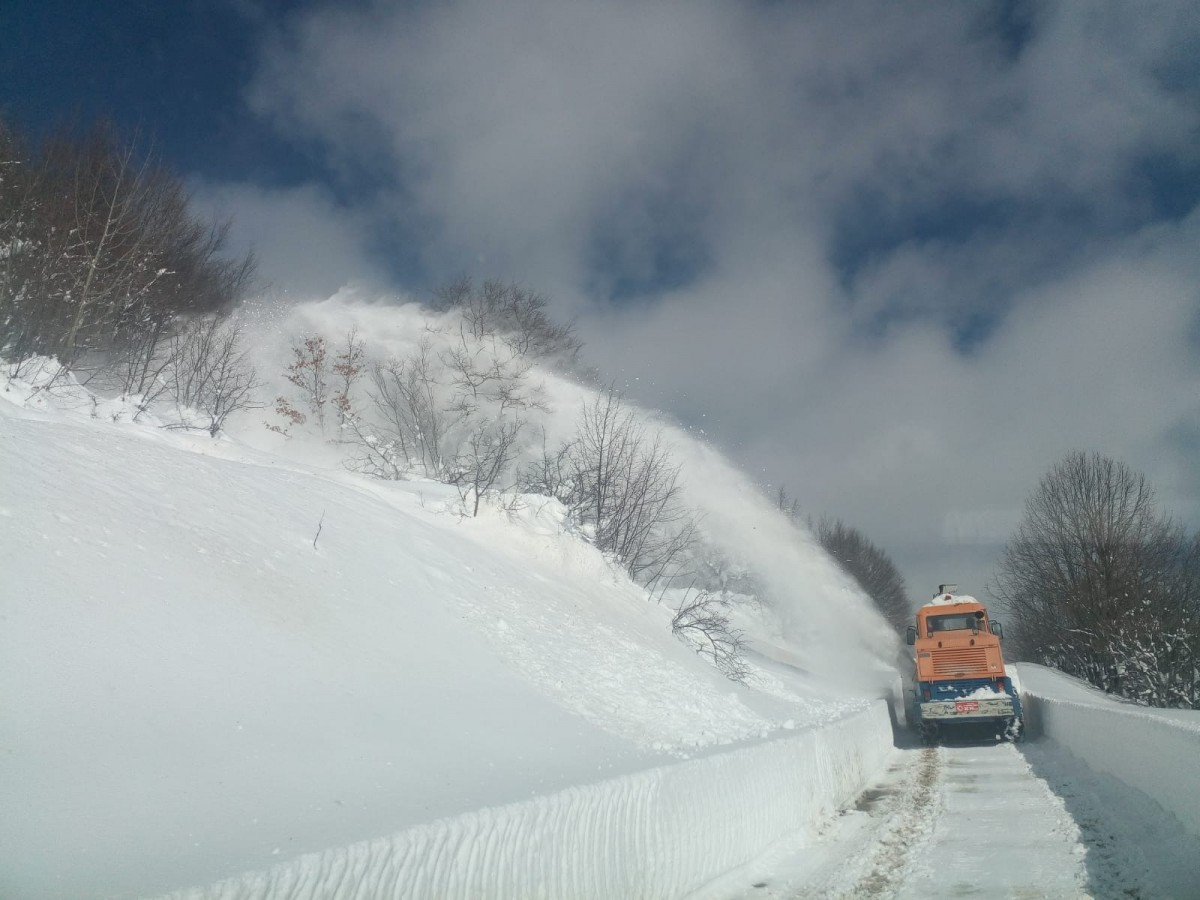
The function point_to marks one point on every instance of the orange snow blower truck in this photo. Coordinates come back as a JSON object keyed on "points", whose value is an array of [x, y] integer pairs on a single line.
{"points": [[960, 679]]}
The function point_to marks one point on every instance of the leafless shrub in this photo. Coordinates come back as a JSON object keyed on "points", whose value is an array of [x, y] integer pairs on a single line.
{"points": [[348, 366], [485, 459], [309, 372], [452, 414], [138, 366], [488, 374], [702, 620], [44, 373], [410, 427], [375, 455], [618, 479], [549, 474], [209, 370]]}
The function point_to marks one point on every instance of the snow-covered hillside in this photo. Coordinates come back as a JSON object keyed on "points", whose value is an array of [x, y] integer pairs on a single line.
{"points": [[220, 654], [232, 668], [815, 610]]}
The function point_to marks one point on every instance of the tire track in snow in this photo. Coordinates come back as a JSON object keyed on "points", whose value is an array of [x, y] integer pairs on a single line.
{"points": [[863, 851], [1000, 832], [907, 823], [986, 820]]}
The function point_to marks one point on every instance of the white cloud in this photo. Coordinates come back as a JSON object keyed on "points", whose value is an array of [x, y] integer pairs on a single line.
{"points": [[786, 161]]}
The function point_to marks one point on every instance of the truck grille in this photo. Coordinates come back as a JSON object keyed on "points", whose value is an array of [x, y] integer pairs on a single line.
{"points": [[963, 661]]}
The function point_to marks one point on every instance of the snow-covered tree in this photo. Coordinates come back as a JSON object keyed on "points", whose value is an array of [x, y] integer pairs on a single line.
{"points": [[1102, 585]]}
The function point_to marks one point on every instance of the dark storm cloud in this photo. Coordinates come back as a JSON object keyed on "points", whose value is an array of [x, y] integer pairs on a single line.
{"points": [[898, 255]]}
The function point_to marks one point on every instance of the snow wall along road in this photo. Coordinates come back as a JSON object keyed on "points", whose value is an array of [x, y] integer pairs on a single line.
{"points": [[1155, 751], [664, 832]]}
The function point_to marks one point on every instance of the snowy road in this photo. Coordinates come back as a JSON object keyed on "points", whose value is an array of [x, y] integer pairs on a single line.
{"points": [[990, 820]]}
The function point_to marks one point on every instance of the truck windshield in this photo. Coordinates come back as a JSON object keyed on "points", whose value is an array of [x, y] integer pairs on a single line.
{"points": [[960, 622]]}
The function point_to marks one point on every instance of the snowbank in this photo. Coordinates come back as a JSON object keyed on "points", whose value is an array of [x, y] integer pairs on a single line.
{"points": [[665, 832], [1153, 750]]}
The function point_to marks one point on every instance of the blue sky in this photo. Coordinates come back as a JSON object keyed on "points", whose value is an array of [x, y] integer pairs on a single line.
{"points": [[898, 256], [175, 70]]}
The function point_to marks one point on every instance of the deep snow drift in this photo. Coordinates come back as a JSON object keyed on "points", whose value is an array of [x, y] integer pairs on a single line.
{"points": [[221, 654]]}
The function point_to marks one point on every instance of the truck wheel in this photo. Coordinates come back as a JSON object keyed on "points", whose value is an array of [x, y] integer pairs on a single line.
{"points": [[1014, 730]]}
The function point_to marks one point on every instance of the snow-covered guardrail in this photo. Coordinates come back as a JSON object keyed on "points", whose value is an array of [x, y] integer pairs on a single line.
{"points": [[1145, 748], [663, 832]]}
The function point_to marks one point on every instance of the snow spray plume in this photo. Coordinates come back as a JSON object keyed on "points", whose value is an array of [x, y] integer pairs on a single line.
{"points": [[812, 612]]}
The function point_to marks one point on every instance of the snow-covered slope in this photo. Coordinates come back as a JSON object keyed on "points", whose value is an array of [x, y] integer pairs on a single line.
{"points": [[232, 656], [216, 656], [814, 613]]}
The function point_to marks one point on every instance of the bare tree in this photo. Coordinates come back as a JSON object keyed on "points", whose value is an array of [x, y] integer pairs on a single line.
{"points": [[116, 197], [210, 371], [787, 504], [488, 373], [322, 384], [1099, 583], [549, 473], [485, 459], [870, 566], [507, 310], [309, 372], [410, 426], [620, 480], [702, 620], [22, 254], [348, 366], [99, 253]]}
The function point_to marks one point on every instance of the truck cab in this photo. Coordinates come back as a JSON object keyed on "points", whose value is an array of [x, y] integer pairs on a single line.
{"points": [[959, 676]]}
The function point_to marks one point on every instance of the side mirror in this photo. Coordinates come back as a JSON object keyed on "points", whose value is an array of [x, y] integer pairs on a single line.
{"points": [[911, 636], [998, 630]]}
